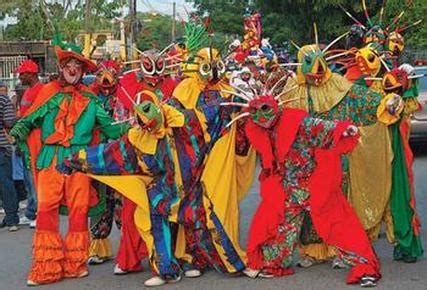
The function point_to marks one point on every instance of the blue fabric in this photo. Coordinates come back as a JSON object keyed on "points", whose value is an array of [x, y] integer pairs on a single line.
{"points": [[30, 211], [17, 166], [7, 189]]}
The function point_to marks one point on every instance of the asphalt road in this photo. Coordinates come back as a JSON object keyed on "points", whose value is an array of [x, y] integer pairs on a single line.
{"points": [[15, 256]]}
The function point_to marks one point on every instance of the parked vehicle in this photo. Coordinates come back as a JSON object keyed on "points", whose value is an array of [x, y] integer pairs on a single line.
{"points": [[419, 119]]}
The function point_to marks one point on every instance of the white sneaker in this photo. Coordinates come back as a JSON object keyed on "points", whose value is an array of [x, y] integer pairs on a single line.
{"points": [[158, 281], [154, 281], [194, 273], [95, 260], [23, 220], [305, 262], [118, 271], [31, 283], [265, 275], [251, 273], [13, 228], [33, 224], [337, 263], [23, 204]]}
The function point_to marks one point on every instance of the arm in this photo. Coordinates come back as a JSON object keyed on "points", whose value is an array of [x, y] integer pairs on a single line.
{"points": [[8, 110], [23, 127], [107, 126]]}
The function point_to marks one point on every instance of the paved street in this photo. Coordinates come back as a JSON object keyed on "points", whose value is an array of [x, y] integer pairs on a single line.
{"points": [[15, 261]]}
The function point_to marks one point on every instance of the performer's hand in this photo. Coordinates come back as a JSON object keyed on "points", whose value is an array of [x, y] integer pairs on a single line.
{"points": [[394, 104], [10, 139], [350, 131]]}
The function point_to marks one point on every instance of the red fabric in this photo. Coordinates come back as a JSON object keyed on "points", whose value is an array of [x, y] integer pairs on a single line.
{"points": [[132, 248], [334, 219], [354, 73], [409, 159], [167, 87], [271, 210], [128, 87], [27, 66], [28, 98]]}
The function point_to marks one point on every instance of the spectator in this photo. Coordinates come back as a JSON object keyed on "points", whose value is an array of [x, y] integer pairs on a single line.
{"points": [[28, 75], [7, 189]]}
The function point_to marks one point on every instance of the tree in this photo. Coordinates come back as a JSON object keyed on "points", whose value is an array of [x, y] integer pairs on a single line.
{"points": [[293, 19], [154, 31], [67, 14]]}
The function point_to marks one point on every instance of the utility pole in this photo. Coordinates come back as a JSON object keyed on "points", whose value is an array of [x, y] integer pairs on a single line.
{"points": [[174, 21], [132, 16], [87, 37]]}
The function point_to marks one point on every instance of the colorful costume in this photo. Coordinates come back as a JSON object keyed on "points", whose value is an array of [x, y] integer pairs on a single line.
{"points": [[408, 245], [169, 152], [299, 155], [66, 115], [105, 87], [330, 96]]}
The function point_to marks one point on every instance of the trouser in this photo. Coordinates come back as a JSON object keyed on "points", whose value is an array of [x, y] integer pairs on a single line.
{"points": [[101, 225], [278, 251], [7, 189], [31, 210], [54, 259], [132, 248]]}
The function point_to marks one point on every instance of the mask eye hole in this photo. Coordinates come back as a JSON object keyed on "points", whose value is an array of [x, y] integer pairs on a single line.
{"points": [[160, 65], [205, 69], [265, 107], [371, 57], [221, 66], [148, 66], [308, 59]]}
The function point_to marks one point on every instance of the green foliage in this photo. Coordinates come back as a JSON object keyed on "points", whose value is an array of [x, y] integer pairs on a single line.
{"points": [[155, 31], [69, 15], [293, 19]]}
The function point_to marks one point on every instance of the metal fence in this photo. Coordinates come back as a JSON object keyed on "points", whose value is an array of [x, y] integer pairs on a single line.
{"points": [[8, 65]]}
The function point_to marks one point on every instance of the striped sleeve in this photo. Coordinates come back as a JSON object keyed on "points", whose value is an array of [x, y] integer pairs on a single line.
{"points": [[9, 115]]}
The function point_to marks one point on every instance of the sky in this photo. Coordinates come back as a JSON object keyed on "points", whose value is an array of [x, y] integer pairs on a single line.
{"points": [[165, 7]]}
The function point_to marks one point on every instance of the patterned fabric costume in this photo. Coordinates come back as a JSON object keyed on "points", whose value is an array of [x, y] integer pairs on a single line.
{"points": [[152, 78], [73, 111], [298, 153], [172, 161], [330, 96], [105, 87]]}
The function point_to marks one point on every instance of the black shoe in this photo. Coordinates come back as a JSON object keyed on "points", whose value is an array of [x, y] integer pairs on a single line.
{"points": [[409, 260], [3, 224]]}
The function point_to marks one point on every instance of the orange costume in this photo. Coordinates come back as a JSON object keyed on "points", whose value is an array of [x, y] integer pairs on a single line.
{"points": [[66, 115]]}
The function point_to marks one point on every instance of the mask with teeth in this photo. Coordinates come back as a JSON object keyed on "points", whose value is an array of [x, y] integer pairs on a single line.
{"points": [[314, 69], [368, 60]]}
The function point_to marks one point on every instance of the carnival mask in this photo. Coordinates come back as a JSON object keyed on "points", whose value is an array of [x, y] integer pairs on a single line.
{"points": [[395, 81], [313, 65], [264, 111], [149, 116], [395, 43], [375, 34], [107, 77], [368, 60], [153, 66]]}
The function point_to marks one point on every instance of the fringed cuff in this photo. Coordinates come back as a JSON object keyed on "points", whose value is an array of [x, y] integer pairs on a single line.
{"points": [[100, 248], [48, 257], [76, 254]]}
